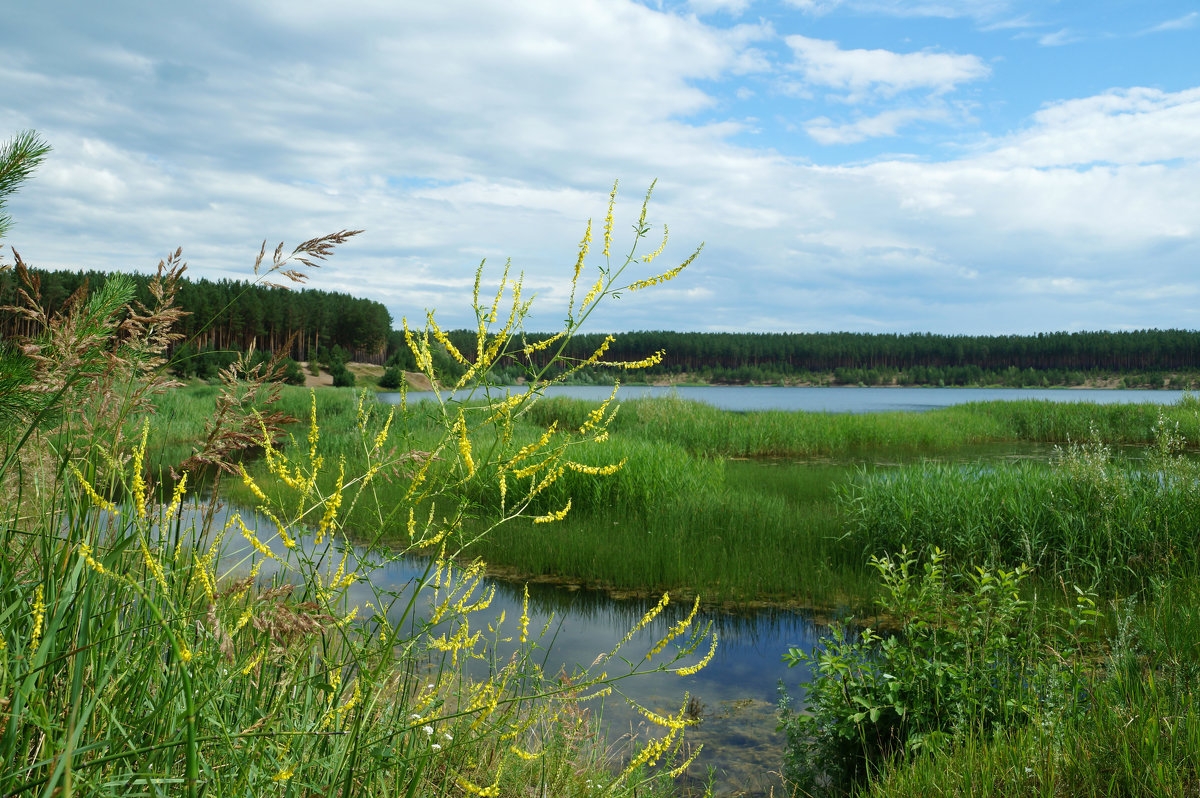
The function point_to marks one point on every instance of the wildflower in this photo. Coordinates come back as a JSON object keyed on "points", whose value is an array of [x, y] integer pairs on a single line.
{"points": [[284, 774], [176, 499], [525, 615], [139, 482], [608, 219], [667, 275], [554, 515], [332, 504], [428, 730], [661, 247], [689, 670], [39, 617], [95, 497], [435, 747]]}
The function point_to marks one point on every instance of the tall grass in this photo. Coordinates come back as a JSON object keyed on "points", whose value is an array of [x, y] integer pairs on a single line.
{"points": [[705, 430], [1085, 516]]}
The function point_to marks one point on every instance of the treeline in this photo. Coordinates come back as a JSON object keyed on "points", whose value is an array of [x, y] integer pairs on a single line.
{"points": [[1141, 358], [228, 316]]}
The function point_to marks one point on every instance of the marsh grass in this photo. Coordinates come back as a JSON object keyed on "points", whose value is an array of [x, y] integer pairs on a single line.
{"points": [[1087, 515]]}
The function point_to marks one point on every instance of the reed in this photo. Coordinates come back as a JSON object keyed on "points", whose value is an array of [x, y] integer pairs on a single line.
{"points": [[1085, 516]]}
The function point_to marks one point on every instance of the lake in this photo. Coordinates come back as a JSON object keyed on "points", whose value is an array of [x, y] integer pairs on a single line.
{"points": [[838, 399]]}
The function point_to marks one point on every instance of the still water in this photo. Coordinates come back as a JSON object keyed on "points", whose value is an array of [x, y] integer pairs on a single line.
{"points": [[840, 399]]}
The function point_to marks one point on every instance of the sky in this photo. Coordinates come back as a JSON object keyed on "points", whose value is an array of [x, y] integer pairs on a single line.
{"points": [[950, 166]]}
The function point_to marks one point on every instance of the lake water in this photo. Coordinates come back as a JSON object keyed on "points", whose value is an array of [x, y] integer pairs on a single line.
{"points": [[840, 399]]}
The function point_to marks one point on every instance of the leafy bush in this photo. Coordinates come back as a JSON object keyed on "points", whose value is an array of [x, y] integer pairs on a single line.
{"points": [[958, 662]]}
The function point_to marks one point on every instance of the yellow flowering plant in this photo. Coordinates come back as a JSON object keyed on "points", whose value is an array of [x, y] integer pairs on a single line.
{"points": [[156, 638]]}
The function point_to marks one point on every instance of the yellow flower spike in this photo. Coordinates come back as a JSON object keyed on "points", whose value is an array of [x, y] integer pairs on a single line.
{"points": [[597, 415], [206, 579], [440, 335], [538, 346], [503, 489], [679, 771], [176, 500], [153, 565], [592, 293], [287, 539], [249, 535], [95, 497], [361, 414], [600, 350], [381, 438], [492, 791], [597, 471], [553, 516], [526, 755], [688, 671], [525, 615], [139, 481], [653, 613], [39, 617], [584, 245], [641, 225], [85, 551], [285, 774], [661, 247], [499, 292], [464, 444], [253, 663], [242, 620], [185, 653], [667, 275], [676, 630], [249, 482], [332, 503], [608, 219], [633, 365], [314, 430]]}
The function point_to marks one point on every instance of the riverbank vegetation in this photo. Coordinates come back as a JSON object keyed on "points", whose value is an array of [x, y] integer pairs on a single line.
{"points": [[154, 642]]}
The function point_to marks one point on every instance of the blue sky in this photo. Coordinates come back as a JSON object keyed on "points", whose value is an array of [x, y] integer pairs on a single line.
{"points": [[953, 166]]}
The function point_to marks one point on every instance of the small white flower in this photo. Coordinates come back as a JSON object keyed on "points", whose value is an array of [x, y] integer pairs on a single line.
{"points": [[448, 735], [436, 747], [428, 730], [414, 716]]}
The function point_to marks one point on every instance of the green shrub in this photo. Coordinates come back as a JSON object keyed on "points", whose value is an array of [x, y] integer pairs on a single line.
{"points": [[957, 662]]}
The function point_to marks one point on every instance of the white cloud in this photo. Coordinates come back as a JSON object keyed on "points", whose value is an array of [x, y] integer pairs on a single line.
{"points": [[1059, 38], [887, 123], [1130, 126], [862, 72], [1185, 22], [731, 7], [947, 9]]}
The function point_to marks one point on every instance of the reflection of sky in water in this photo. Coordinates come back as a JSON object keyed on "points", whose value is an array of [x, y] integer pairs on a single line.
{"points": [[738, 687]]}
